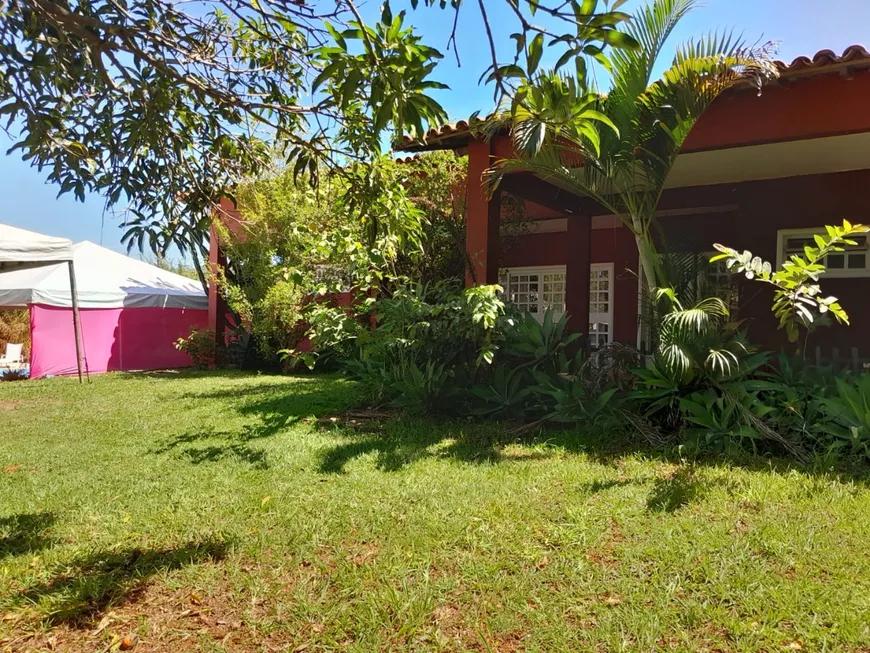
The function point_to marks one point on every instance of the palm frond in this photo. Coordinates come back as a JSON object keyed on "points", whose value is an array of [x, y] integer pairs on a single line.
{"points": [[632, 70]]}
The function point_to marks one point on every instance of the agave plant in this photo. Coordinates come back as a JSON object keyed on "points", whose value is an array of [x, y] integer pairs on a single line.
{"points": [[618, 148]]}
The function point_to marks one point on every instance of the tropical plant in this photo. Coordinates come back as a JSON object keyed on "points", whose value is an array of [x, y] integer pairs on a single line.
{"points": [[699, 340], [532, 342], [798, 302], [505, 395], [725, 420], [849, 415], [704, 374], [795, 392], [618, 148], [567, 400]]}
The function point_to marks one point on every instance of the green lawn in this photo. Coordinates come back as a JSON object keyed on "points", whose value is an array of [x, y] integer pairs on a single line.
{"points": [[217, 513]]}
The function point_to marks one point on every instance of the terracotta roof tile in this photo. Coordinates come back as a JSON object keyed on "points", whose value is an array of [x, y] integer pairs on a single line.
{"points": [[823, 59], [800, 66]]}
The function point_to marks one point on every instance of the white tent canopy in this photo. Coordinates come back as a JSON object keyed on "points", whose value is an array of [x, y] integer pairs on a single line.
{"points": [[23, 251], [105, 279], [19, 247]]}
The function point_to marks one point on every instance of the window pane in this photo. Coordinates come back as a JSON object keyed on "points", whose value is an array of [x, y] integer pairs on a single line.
{"points": [[836, 261], [857, 261]]}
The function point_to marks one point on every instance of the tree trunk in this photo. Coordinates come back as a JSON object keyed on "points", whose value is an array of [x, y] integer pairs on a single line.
{"points": [[648, 262]]}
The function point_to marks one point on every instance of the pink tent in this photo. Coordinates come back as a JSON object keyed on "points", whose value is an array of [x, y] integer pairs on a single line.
{"points": [[131, 313]]}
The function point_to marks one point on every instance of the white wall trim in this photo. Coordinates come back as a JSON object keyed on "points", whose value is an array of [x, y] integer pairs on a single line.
{"points": [[782, 234]]}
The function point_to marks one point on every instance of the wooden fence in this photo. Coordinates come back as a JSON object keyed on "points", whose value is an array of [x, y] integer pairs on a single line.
{"points": [[838, 361]]}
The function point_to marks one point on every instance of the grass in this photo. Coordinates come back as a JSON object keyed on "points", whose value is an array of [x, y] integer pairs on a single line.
{"points": [[218, 513]]}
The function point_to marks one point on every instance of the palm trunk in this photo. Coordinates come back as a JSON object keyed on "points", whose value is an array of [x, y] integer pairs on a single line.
{"points": [[648, 255], [646, 275]]}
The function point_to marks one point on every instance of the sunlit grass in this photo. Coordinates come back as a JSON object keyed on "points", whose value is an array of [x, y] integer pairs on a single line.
{"points": [[217, 512]]}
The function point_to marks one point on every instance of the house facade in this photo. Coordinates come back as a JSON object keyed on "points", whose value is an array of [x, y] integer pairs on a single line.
{"points": [[758, 172]]}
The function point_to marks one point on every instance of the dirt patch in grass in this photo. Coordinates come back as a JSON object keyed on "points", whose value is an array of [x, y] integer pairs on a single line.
{"points": [[157, 619], [357, 420], [8, 404]]}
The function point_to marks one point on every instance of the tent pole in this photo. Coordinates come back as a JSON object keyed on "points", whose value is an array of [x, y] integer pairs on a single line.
{"points": [[77, 324]]}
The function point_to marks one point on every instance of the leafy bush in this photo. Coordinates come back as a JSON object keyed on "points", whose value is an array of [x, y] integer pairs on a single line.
{"points": [[797, 297], [435, 349], [699, 348], [202, 347], [848, 416]]}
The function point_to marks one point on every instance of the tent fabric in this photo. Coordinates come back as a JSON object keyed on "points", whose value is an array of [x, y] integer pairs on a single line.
{"points": [[114, 339], [22, 247], [105, 279]]}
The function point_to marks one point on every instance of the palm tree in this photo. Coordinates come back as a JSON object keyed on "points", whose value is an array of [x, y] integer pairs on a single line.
{"points": [[618, 148]]}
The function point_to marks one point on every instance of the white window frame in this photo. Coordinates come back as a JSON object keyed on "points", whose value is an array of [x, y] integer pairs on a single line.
{"points": [[728, 277], [603, 318], [841, 273], [540, 270]]}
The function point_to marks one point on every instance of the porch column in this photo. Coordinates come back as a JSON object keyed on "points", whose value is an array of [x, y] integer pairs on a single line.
{"points": [[482, 218], [577, 272]]}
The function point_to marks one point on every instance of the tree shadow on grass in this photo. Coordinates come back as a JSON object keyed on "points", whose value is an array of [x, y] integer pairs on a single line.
{"points": [[279, 402], [25, 533], [87, 586], [672, 492], [396, 443], [272, 407]]}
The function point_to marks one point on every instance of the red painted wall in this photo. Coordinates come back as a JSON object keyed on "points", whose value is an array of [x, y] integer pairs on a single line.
{"points": [[822, 105], [760, 209], [764, 207], [608, 246]]}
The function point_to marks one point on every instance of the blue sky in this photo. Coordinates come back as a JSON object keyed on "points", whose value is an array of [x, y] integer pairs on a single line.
{"points": [[801, 27]]}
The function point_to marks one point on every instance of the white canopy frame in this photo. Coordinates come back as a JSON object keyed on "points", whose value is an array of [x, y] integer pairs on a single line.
{"points": [[20, 248]]}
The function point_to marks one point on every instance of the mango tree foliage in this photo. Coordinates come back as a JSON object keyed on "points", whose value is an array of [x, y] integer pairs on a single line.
{"points": [[798, 302], [162, 107]]}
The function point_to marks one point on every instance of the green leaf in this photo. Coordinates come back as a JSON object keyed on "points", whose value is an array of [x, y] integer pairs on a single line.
{"points": [[326, 74], [536, 49], [620, 40]]}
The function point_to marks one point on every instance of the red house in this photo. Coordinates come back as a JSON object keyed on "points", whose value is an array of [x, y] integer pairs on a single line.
{"points": [[757, 172]]}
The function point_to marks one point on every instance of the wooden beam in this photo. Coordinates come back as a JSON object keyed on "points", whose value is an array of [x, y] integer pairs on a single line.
{"points": [[527, 186]]}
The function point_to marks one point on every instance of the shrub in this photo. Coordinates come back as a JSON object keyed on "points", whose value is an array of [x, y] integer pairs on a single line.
{"points": [[202, 348], [797, 297], [848, 417]]}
